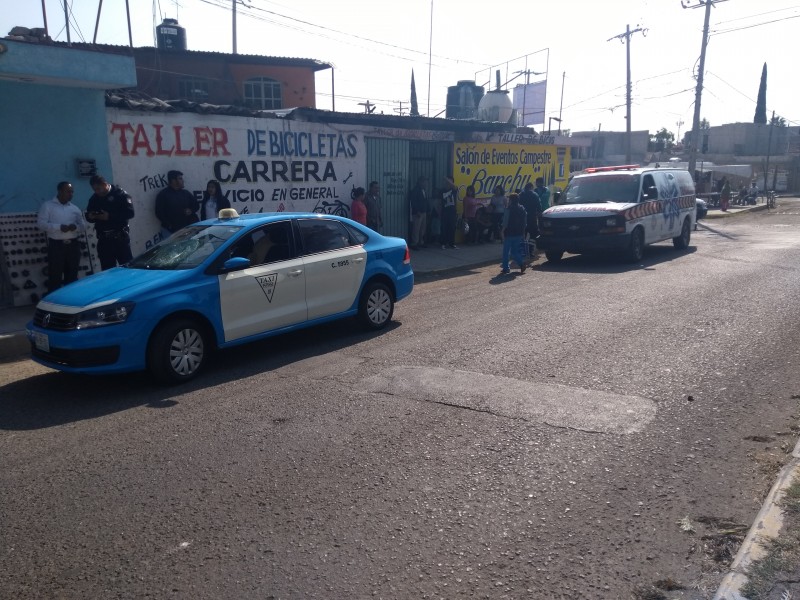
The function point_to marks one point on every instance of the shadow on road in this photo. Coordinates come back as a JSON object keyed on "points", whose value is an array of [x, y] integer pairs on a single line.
{"points": [[610, 262], [56, 398]]}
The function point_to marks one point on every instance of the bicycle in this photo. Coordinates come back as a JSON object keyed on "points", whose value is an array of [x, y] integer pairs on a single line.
{"points": [[770, 199]]}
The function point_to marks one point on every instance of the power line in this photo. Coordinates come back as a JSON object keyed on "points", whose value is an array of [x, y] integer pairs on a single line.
{"points": [[224, 5], [724, 31]]}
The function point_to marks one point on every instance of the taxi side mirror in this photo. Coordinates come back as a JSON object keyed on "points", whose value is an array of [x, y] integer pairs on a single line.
{"points": [[237, 263]]}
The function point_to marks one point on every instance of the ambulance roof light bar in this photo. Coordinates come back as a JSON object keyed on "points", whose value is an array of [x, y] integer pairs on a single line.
{"points": [[614, 168]]}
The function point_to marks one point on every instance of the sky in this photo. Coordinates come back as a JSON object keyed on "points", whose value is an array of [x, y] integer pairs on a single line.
{"points": [[578, 46]]}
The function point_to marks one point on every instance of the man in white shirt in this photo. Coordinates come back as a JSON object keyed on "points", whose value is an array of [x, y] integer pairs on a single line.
{"points": [[63, 222]]}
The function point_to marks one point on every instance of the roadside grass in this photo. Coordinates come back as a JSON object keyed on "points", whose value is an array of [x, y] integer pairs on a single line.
{"points": [[781, 563]]}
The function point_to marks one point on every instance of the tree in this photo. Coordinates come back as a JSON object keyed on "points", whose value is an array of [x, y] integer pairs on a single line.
{"points": [[414, 106], [778, 121], [662, 140], [760, 117], [687, 137]]}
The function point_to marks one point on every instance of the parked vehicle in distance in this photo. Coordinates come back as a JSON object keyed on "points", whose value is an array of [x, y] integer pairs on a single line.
{"points": [[220, 283], [702, 209], [622, 208]]}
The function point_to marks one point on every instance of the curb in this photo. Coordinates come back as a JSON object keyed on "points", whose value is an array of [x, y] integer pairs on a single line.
{"points": [[767, 526], [718, 214]]}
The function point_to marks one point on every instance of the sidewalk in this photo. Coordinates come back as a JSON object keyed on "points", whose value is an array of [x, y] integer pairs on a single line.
{"points": [[427, 261]]}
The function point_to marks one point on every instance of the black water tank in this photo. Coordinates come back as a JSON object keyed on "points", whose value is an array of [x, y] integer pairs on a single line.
{"points": [[170, 35], [463, 100]]}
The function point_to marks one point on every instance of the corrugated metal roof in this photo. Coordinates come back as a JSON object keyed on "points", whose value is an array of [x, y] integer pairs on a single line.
{"points": [[282, 61]]}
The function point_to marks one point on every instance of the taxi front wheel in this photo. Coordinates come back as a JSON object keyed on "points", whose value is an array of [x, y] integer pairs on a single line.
{"points": [[376, 306], [177, 351]]}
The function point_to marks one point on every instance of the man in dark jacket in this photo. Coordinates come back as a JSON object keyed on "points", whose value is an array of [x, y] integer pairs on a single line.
{"points": [[530, 201], [515, 220], [110, 208], [418, 202], [373, 203], [175, 207]]}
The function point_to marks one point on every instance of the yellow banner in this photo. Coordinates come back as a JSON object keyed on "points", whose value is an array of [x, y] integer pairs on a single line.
{"points": [[512, 166]]}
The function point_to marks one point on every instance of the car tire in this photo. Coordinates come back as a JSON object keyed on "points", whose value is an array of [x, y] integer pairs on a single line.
{"points": [[682, 241], [553, 256], [178, 351], [376, 306], [635, 250]]}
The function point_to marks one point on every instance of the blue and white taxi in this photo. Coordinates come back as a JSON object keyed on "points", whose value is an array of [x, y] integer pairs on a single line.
{"points": [[220, 283]]}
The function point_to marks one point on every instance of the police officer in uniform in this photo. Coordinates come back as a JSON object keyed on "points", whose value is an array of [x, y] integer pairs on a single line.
{"points": [[110, 208]]}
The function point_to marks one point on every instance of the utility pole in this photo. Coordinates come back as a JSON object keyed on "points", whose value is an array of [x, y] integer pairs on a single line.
{"points": [[401, 109], [769, 149], [369, 107], [701, 68], [627, 41], [233, 12], [679, 122], [561, 106]]}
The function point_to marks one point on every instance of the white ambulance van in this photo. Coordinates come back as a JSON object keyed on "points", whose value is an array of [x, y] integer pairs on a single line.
{"points": [[621, 208]]}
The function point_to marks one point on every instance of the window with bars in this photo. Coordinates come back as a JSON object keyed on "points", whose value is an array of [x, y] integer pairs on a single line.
{"points": [[193, 88], [262, 93]]}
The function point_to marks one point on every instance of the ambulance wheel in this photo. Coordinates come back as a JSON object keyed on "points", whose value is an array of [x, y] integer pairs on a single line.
{"points": [[635, 250], [553, 256], [376, 306], [682, 241], [178, 350]]}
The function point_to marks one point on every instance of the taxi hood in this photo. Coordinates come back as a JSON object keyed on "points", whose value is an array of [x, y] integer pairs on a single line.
{"points": [[119, 283]]}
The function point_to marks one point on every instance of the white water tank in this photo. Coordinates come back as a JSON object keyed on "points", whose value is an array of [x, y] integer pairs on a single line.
{"points": [[495, 106]]}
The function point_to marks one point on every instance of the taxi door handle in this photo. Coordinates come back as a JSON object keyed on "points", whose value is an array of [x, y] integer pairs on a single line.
{"points": [[359, 259], [295, 273]]}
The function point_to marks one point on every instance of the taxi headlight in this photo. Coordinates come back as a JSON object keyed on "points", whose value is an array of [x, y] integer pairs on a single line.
{"points": [[111, 314]]}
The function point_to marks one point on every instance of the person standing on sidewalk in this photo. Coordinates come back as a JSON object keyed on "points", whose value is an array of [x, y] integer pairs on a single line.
{"points": [[418, 203], [529, 200], [358, 210], [725, 195], [63, 223], [471, 204], [449, 216], [110, 208], [373, 203], [497, 204], [515, 220], [176, 207], [543, 193], [213, 201]]}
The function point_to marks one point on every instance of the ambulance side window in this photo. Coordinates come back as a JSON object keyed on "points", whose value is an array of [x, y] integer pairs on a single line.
{"points": [[649, 189]]}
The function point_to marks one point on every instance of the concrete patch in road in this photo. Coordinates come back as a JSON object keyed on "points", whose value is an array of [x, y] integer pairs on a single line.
{"points": [[555, 405]]}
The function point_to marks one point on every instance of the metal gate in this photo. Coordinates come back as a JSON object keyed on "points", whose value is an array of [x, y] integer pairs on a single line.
{"points": [[387, 163]]}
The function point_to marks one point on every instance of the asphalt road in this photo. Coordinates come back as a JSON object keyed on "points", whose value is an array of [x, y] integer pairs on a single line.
{"points": [[587, 431]]}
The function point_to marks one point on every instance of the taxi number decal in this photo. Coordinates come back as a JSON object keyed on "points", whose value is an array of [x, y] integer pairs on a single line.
{"points": [[268, 283], [340, 263]]}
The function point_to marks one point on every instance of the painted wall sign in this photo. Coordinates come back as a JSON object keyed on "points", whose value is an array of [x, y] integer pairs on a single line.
{"points": [[263, 165], [512, 166]]}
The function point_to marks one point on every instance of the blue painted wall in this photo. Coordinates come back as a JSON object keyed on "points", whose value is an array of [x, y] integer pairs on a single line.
{"points": [[43, 131]]}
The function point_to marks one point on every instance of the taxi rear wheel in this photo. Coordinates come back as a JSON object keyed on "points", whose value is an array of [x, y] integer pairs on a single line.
{"points": [[376, 306], [178, 351]]}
